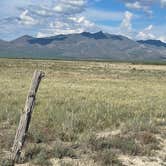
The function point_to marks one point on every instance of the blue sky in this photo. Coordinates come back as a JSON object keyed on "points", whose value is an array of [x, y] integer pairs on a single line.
{"points": [[136, 19]]}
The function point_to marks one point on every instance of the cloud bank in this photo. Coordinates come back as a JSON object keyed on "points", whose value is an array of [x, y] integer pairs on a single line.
{"points": [[52, 17]]}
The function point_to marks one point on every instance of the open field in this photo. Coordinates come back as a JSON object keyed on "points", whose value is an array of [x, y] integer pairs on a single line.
{"points": [[87, 113]]}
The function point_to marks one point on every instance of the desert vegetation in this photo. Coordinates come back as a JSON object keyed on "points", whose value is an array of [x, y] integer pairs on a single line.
{"points": [[86, 113]]}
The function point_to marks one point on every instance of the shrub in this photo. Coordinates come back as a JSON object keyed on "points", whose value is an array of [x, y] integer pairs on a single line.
{"points": [[34, 152], [42, 159], [107, 158], [67, 136], [60, 151], [31, 151], [6, 162], [126, 145]]}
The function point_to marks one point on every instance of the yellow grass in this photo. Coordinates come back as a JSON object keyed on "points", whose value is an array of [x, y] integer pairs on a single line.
{"points": [[77, 99]]}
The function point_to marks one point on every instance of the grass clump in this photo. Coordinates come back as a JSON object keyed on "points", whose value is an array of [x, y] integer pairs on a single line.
{"points": [[6, 162], [31, 151], [146, 138], [6, 139], [125, 145], [36, 154], [107, 158], [60, 151], [141, 143], [42, 159], [37, 136], [148, 142], [67, 136], [63, 163]]}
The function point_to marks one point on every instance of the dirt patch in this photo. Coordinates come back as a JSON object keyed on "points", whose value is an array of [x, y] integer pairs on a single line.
{"points": [[73, 162], [158, 158]]}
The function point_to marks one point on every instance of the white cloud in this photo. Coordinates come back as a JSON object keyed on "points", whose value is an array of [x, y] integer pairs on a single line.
{"points": [[162, 38], [146, 33], [69, 6], [144, 5], [149, 28], [133, 5], [163, 3], [42, 11], [101, 15], [72, 24], [71, 16], [159, 31], [82, 20], [67, 18], [126, 25], [42, 18], [25, 19]]}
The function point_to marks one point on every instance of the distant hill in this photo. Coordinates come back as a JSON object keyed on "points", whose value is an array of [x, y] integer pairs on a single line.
{"points": [[89, 46], [156, 43]]}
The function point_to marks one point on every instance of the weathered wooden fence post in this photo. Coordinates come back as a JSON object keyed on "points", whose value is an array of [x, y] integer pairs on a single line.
{"points": [[26, 117]]}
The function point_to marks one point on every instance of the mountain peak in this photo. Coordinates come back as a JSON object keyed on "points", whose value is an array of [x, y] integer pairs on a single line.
{"points": [[84, 45], [153, 42], [26, 37], [2, 40], [97, 35], [23, 39]]}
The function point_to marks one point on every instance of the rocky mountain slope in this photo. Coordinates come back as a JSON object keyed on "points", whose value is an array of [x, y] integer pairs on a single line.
{"points": [[102, 46]]}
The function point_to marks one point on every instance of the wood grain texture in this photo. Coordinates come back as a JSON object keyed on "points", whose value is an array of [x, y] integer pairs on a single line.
{"points": [[26, 116]]}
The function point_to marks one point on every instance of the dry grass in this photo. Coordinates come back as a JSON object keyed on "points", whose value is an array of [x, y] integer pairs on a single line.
{"points": [[79, 99]]}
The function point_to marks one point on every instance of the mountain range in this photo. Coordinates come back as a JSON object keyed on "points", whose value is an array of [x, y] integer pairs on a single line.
{"points": [[85, 46]]}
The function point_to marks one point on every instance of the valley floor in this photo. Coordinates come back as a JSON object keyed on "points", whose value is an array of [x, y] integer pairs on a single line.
{"points": [[86, 113]]}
